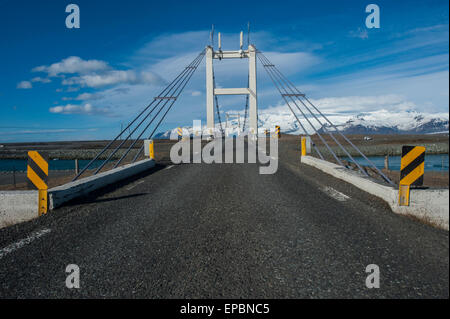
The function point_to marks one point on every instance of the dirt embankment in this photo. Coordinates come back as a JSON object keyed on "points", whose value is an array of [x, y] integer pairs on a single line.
{"points": [[381, 145], [66, 150]]}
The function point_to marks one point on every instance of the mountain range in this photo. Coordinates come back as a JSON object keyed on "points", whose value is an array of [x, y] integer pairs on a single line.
{"points": [[377, 122]]}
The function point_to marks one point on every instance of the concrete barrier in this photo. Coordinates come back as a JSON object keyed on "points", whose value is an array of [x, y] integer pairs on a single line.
{"points": [[21, 206], [17, 207], [64, 193], [428, 205]]}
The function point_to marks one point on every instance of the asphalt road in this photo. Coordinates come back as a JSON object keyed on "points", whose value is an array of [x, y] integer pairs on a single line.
{"points": [[225, 231]]}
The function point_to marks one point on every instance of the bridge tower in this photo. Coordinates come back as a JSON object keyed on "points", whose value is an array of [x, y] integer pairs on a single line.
{"points": [[251, 91]]}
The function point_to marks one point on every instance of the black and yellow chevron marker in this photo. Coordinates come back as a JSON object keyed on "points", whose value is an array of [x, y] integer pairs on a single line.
{"points": [[37, 170], [277, 131], [412, 165], [37, 176], [180, 131]]}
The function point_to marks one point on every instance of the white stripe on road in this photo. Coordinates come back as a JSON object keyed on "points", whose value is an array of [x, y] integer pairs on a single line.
{"points": [[335, 194], [134, 185], [169, 167], [13, 247]]}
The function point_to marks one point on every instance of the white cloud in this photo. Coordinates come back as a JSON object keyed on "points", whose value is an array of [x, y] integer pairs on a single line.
{"points": [[41, 80], [172, 44], [24, 85], [429, 92], [196, 93], [72, 89], [360, 104], [77, 109], [72, 65], [94, 74], [44, 131], [293, 62], [114, 77], [83, 97], [87, 96], [360, 33]]}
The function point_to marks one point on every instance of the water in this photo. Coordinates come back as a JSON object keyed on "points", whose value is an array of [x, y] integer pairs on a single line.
{"points": [[433, 162], [21, 165]]}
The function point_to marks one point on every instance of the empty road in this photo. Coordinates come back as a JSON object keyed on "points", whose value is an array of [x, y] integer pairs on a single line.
{"points": [[224, 231]]}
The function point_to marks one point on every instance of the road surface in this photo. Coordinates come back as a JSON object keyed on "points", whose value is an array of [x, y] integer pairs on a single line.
{"points": [[225, 231]]}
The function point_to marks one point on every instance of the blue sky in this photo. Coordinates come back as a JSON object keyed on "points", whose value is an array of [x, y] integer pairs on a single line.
{"points": [[75, 84]]}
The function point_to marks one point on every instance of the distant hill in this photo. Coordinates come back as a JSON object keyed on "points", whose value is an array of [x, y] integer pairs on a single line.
{"points": [[378, 122], [404, 123]]}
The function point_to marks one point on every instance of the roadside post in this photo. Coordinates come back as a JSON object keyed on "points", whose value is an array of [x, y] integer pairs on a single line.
{"points": [[37, 178], [180, 133], [149, 149], [277, 131], [76, 167], [14, 176], [305, 145], [303, 139], [412, 168]]}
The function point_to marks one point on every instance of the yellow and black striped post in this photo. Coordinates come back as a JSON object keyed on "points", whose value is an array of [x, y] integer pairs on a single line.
{"points": [[277, 131], [412, 168], [37, 176], [151, 150], [303, 141], [180, 133]]}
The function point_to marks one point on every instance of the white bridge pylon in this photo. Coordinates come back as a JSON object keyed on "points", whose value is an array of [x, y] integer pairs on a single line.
{"points": [[251, 91]]}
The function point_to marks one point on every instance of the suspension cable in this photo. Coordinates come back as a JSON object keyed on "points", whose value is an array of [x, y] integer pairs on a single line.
{"points": [[246, 105], [194, 68], [320, 123], [161, 96], [176, 95], [313, 127], [300, 95], [387, 179], [167, 99], [217, 105], [287, 103]]}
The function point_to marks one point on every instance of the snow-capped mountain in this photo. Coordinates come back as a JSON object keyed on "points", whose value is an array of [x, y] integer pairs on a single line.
{"points": [[377, 122], [384, 122]]}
